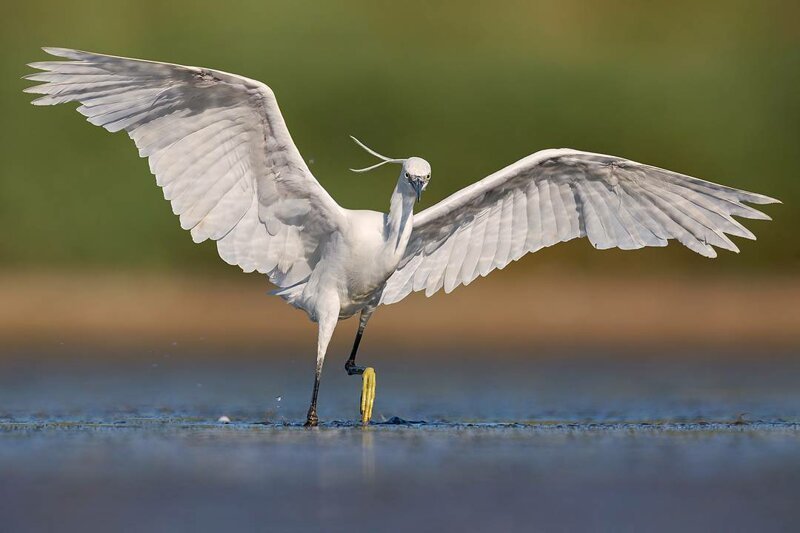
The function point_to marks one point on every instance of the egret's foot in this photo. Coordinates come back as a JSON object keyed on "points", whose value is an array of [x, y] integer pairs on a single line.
{"points": [[311, 419], [352, 369], [367, 394]]}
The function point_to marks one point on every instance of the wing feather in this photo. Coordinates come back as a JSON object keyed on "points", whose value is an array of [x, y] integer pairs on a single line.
{"points": [[547, 215], [533, 240], [461, 240], [219, 149], [520, 224], [504, 232], [486, 262], [558, 195], [595, 230], [469, 269]]}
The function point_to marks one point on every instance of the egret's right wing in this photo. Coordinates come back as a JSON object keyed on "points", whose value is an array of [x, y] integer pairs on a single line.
{"points": [[219, 148], [557, 195]]}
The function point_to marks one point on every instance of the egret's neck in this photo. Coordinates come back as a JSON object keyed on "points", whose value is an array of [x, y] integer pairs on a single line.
{"points": [[400, 217]]}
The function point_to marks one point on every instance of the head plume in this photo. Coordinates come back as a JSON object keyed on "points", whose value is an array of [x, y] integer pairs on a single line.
{"points": [[383, 158]]}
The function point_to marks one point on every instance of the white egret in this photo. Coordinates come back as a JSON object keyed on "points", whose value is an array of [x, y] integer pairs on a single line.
{"points": [[219, 148]]}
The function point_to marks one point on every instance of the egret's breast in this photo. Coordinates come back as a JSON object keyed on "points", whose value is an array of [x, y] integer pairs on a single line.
{"points": [[367, 258]]}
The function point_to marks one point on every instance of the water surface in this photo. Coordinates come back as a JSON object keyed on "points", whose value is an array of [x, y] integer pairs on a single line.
{"points": [[558, 442]]}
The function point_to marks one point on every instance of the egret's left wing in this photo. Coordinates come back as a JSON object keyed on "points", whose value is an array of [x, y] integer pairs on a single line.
{"points": [[557, 195]]}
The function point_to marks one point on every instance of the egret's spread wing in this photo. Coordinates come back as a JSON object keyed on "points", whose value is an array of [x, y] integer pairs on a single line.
{"points": [[556, 195], [219, 148]]}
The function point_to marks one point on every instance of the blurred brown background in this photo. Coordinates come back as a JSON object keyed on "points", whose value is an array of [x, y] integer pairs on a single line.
{"points": [[92, 255]]}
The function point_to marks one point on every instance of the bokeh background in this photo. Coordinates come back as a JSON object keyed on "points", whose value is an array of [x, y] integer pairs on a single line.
{"points": [[707, 90], [702, 88]]}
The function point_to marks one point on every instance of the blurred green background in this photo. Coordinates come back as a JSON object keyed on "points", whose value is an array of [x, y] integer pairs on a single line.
{"points": [[708, 89]]}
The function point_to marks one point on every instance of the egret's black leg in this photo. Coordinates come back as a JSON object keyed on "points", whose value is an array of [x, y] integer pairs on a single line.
{"points": [[350, 366], [311, 418], [327, 323], [368, 374]]}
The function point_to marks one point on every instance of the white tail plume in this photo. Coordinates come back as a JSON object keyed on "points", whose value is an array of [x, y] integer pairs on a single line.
{"points": [[383, 158]]}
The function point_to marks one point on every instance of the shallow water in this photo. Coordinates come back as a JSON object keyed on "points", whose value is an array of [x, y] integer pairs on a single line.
{"points": [[559, 442]]}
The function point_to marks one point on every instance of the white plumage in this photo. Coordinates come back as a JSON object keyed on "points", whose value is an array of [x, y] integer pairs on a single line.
{"points": [[554, 196], [220, 150]]}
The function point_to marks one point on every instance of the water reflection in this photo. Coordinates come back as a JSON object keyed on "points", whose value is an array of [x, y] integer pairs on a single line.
{"points": [[367, 455]]}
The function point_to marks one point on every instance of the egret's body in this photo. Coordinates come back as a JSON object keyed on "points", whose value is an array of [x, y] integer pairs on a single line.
{"points": [[221, 151], [358, 259]]}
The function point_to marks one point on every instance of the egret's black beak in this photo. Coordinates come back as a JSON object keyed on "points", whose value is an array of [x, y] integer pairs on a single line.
{"points": [[417, 185]]}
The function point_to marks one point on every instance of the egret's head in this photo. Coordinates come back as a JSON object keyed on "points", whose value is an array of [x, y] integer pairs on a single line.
{"points": [[416, 171]]}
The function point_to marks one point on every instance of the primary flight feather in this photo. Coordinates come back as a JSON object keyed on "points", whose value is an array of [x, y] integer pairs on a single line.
{"points": [[220, 150]]}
